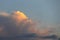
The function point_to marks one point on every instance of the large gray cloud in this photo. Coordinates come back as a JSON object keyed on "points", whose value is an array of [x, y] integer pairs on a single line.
{"points": [[17, 23]]}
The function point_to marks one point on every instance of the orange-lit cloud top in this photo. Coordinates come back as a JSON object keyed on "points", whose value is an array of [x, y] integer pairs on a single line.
{"points": [[19, 15]]}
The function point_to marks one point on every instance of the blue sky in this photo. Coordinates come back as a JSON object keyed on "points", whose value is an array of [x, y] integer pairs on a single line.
{"points": [[47, 11]]}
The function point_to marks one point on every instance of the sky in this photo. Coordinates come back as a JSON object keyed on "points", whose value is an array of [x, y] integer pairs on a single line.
{"points": [[46, 11]]}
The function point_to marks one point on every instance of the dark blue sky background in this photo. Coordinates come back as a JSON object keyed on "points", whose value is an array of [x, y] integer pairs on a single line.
{"points": [[47, 11]]}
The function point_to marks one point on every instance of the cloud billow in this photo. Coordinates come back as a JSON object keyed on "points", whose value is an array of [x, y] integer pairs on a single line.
{"points": [[14, 24]]}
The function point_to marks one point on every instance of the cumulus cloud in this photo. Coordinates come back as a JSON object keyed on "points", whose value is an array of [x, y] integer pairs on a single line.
{"points": [[14, 24]]}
